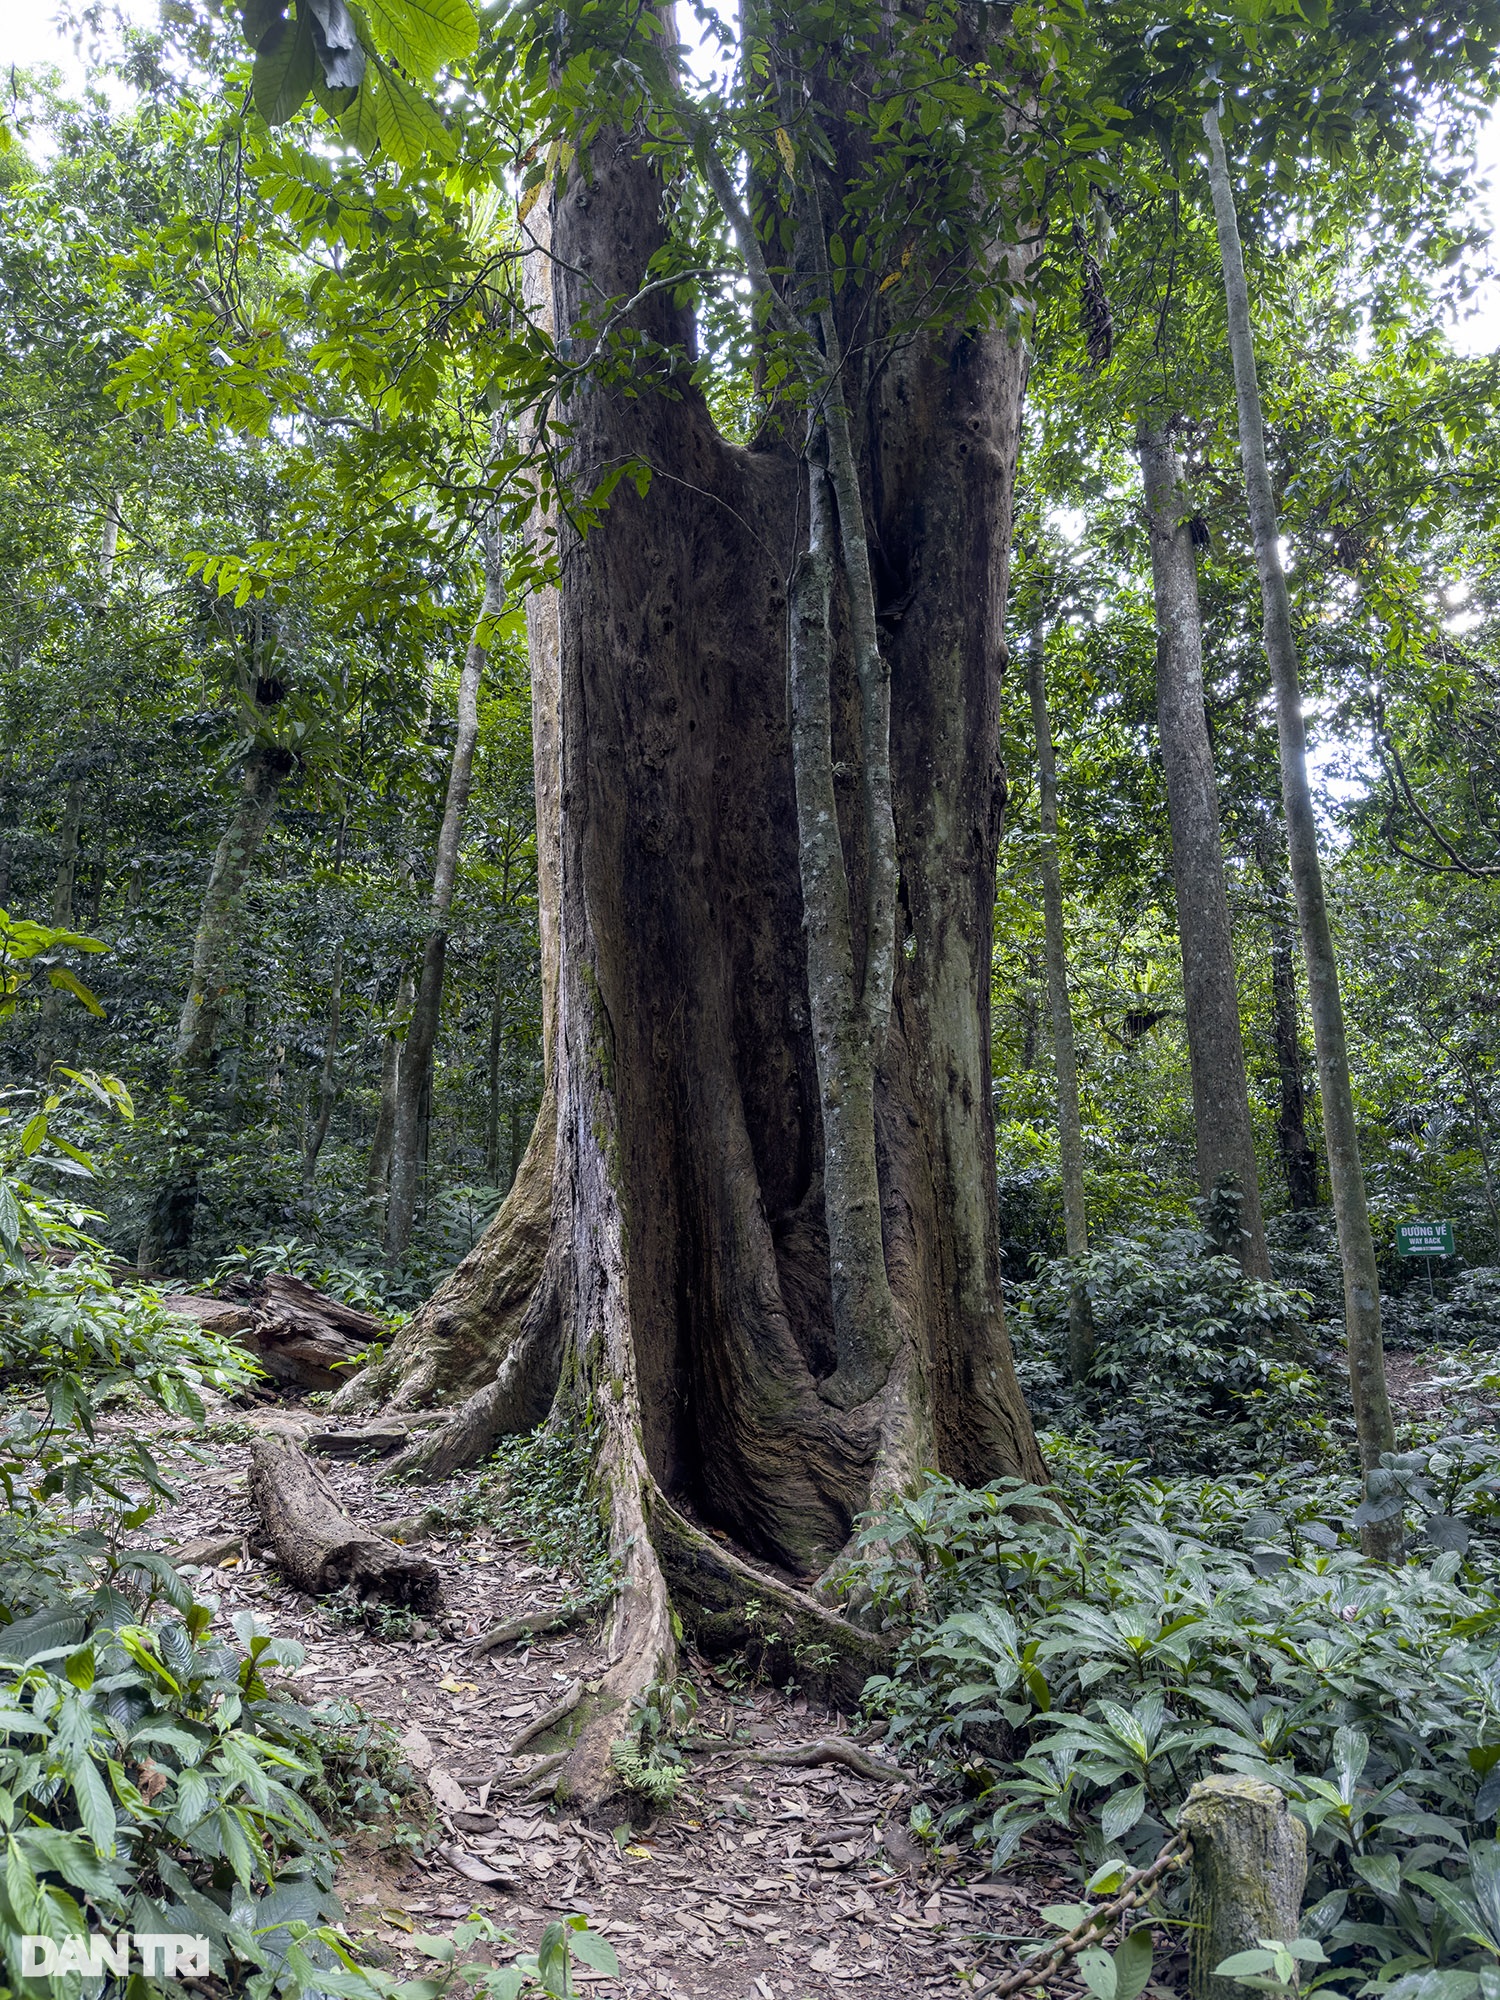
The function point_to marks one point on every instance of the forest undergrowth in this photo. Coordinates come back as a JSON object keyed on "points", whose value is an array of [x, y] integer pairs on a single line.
{"points": [[1187, 1595]]}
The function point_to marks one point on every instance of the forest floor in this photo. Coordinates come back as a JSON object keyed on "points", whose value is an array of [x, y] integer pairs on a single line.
{"points": [[760, 1883]]}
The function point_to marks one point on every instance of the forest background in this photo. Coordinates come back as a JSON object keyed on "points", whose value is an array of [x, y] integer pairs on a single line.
{"points": [[267, 799]]}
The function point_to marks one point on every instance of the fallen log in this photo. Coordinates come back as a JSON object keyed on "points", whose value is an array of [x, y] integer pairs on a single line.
{"points": [[373, 1443], [318, 1548], [301, 1337]]}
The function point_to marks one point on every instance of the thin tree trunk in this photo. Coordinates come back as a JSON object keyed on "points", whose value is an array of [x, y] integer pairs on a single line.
{"points": [[167, 1237], [1064, 1055], [492, 1078], [1298, 1161], [327, 1086], [390, 1072], [61, 908], [65, 875], [414, 1083], [109, 537], [1372, 1412], [197, 1046], [1216, 1050]]}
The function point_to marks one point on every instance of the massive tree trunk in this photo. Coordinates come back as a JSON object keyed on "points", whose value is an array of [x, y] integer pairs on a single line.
{"points": [[1372, 1410], [1216, 1050], [663, 1259], [414, 1074], [1060, 1009]]}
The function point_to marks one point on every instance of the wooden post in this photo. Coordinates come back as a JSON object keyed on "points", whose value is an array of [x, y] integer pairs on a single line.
{"points": [[1249, 1871]]}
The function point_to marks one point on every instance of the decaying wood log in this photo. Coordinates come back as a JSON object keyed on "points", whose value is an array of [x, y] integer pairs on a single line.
{"points": [[318, 1547], [213, 1315], [374, 1443], [301, 1337]]}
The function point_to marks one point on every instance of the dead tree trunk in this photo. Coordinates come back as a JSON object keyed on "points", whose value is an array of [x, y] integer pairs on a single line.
{"points": [[663, 1260], [318, 1548], [1216, 1050], [1060, 1009], [1372, 1410]]}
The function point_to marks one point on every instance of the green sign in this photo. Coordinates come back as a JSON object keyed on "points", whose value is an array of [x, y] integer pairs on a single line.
{"points": [[1424, 1239]]}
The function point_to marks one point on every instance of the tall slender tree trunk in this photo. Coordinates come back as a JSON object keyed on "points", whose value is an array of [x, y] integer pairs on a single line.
{"points": [[60, 910], [217, 937], [327, 1074], [1216, 1050], [167, 1237], [1060, 1011], [414, 1080], [1372, 1412], [661, 1272], [1299, 1163], [378, 1176], [492, 1076]]}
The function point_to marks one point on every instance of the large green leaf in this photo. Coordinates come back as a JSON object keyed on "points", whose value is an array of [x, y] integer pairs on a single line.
{"points": [[285, 65], [422, 35], [409, 127]]}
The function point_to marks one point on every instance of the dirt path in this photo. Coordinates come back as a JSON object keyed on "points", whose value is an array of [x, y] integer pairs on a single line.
{"points": [[760, 1884]]}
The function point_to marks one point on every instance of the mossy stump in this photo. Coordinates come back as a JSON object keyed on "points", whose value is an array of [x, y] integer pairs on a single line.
{"points": [[1249, 1872]]}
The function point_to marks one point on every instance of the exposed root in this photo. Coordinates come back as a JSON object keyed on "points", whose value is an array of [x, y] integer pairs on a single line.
{"points": [[548, 1719], [726, 1606], [530, 1625], [447, 1350], [517, 1399], [825, 1750]]}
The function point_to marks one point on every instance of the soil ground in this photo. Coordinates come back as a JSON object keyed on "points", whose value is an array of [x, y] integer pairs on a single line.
{"points": [[761, 1883]]}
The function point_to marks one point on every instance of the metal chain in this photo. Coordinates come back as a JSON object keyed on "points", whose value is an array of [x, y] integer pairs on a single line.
{"points": [[1134, 1889]]}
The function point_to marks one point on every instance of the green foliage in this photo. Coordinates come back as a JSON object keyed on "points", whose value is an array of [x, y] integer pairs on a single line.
{"points": [[362, 1285], [648, 1760], [27, 949], [150, 1780], [548, 1970], [1198, 1368], [150, 1776], [362, 1776], [1080, 1657], [540, 1488]]}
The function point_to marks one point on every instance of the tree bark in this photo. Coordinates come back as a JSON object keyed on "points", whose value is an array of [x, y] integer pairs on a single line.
{"points": [[677, 1300], [844, 1044], [1299, 1163], [390, 1071], [1216, 1050], [1060, 1012], [1372, 1413], [217, 936], [61, 908], [414, 1078]]}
